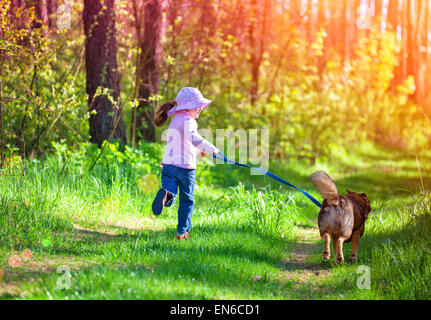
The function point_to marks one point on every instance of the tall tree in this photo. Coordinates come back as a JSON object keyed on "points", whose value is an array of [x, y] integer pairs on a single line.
{"points": [[208, 25], [378, 13], [41, 9], [149, 42], [393, 14], [355, 16], [332, 25], [392, 24], [321, 13], [344, 29], [416, 50], [295, 9], [425, 51], [378, 9], [403, 52], [258, 34], [410, 39], [321, 22], [52, 13], [309, 20], [46, 11], [101, 68]]}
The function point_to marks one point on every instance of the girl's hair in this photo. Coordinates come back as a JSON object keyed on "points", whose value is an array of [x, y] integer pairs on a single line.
{"points": [[162, 113]]}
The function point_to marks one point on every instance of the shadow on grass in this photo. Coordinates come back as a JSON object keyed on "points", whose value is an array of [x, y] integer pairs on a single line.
{"points": [[223, 260]]}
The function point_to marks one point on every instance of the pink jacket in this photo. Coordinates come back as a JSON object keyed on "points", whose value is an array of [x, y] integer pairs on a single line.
{"points": [[184, 143]]}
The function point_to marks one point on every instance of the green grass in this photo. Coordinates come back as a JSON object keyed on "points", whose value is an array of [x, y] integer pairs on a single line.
{"points": [[102, 228]]}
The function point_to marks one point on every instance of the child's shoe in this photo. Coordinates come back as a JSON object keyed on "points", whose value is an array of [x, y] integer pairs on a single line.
{"points": [[183, 237], [159, 201], [169, 200]]}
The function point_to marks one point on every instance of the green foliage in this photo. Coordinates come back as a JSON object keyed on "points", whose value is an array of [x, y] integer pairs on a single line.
{"points": [[132, 163], [42, 84], [309, 107], [264, 212], [310, 97]]}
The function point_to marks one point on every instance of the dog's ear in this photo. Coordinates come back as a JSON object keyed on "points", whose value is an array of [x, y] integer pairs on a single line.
{"points": [[349, 191], [366, 200]]}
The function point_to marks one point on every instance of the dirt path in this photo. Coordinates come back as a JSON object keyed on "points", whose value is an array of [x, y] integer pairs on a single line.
{"points": [[299, 267]]}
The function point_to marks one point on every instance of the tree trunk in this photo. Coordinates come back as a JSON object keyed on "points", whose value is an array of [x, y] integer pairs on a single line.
{"points": [[392, 25], [207, 24], [410, 40], [138, 29], [332, 25], [378, 8], [253, 54], [353, 34], [355, 16], [295, 9], [402, 70], [393, 14], [1, 107], [257, 44], [417, 50], [309, 20], [321, 13], [343, 33], [41, 9], [150, 57], [425, 58], [378, 13], [52, 13], [321, 22], [101, 68]]}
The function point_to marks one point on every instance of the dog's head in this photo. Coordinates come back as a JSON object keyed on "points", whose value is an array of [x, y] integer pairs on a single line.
{"points": [[361, 199]]}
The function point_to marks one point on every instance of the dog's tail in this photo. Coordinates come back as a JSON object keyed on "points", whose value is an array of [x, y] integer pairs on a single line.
{"points": [[326, 187]]}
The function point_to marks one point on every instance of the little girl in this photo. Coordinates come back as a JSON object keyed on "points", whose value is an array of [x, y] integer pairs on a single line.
{"points": [[184, 144]]}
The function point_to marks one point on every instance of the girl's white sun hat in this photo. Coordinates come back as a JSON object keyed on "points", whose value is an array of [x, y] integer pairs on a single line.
{"points": [[189, 98]]}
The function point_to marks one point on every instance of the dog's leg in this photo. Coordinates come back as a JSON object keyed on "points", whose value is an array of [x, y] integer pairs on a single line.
{"points": [[338, 248], [334, 244], [355, 245], [326, 246]]}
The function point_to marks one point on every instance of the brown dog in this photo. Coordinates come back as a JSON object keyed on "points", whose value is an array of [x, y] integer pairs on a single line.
{"points": [[341, 217]]}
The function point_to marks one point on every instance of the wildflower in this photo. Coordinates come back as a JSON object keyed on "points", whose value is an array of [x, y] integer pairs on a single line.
{"points": [[26, 254], [15, 261]]}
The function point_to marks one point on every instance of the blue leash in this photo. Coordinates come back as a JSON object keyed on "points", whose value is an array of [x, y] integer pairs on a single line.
{"points": [[221, 156]]}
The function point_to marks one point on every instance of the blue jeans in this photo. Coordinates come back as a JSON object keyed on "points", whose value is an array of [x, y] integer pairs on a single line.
{"points": [[172, 178]]}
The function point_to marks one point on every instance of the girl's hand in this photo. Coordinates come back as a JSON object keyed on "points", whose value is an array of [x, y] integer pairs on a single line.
{"points": [[204, 153]]}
